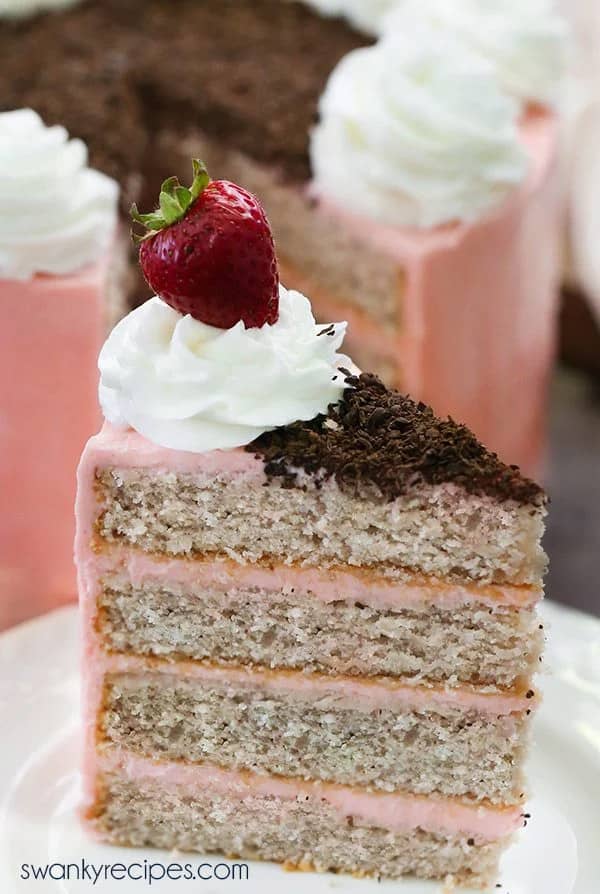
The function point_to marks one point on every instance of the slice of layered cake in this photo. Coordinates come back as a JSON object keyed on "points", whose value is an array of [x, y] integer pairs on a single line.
{"points": [[308, 602]]}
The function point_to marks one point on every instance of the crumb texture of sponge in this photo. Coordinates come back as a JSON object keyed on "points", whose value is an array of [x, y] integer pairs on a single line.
{"points": [[451, 752], [436, 531], [295, 630], [300, 834]]}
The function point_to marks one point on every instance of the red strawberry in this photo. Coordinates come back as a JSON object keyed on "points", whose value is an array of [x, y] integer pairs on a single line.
{"points": [[209, 252]]}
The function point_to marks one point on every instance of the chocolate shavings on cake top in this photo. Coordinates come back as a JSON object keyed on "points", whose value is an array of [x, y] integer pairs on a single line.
{"points": [[377, 438]]}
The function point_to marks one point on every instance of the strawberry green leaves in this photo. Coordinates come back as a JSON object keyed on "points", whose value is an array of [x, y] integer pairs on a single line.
{"points": [[173, 202]]}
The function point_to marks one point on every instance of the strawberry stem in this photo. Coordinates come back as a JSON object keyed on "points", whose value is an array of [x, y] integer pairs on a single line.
{"points": [[173, 202]]}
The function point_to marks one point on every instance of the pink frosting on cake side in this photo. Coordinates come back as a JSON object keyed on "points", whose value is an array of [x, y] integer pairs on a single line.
{"points": [[52, 330], [122, 449], [397, 812], [127, 449]]}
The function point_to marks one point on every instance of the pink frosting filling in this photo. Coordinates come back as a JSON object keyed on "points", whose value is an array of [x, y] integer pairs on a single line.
{"points": [[326, 585], [397, 812], [361, 693]]}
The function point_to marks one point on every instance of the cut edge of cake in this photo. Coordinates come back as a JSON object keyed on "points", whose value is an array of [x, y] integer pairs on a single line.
{"points": [[315, 624]]}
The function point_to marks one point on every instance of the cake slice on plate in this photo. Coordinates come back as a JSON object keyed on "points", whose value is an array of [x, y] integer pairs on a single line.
{"points": [[309, 603]]}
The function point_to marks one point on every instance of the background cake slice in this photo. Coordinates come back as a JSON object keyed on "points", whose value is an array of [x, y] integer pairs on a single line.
{"points": [[61, 262], [314, 645]]}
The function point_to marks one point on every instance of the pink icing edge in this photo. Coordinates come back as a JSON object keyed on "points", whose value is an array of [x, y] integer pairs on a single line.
{"points": [[122, 448], [398, 812], [125, 448]]}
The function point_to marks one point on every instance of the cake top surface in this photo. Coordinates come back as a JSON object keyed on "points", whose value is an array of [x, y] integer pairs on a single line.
{"points": [[377, 437]]}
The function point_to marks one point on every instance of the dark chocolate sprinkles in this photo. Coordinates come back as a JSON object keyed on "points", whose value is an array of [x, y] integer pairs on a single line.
{"points": [[379, 441]]}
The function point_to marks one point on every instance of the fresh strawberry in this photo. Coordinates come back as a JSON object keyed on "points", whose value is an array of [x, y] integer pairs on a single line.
{"points": [[209, 252]]}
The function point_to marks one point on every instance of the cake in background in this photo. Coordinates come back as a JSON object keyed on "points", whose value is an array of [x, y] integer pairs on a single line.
{"points": [[475, 346], [58, 220], [422, 156], [309, 605]]}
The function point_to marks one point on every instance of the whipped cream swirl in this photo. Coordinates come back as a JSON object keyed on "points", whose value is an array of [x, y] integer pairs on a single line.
{"points": [[23, 8], [57, 214], [366, 15], [189, 386], [524, 40], [414, 133]]}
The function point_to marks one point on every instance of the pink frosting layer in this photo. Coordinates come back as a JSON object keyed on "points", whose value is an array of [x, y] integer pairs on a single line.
{"points": [[326, 585], [397, 812], [360, 693], [127, 449]]}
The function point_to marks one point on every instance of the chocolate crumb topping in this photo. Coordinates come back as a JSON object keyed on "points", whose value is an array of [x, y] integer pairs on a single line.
{"points": [[379, 441]]}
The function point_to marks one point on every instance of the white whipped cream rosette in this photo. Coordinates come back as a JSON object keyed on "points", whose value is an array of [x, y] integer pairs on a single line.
{"points": [[190, 386], [525, 41], [58, 214], [415, 132]]}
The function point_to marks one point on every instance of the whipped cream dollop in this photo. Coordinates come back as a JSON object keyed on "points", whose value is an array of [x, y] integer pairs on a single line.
{"points": [[24, 8], [524, 40], [413, 132], [366, 15], [189, 386], [57, 214]]}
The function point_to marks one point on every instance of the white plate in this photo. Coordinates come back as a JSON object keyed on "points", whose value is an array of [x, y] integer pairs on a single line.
{"points": [[558, 852]]}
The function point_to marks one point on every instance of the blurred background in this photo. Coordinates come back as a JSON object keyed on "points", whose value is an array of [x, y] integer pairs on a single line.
{"points": [[432, 173]]}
